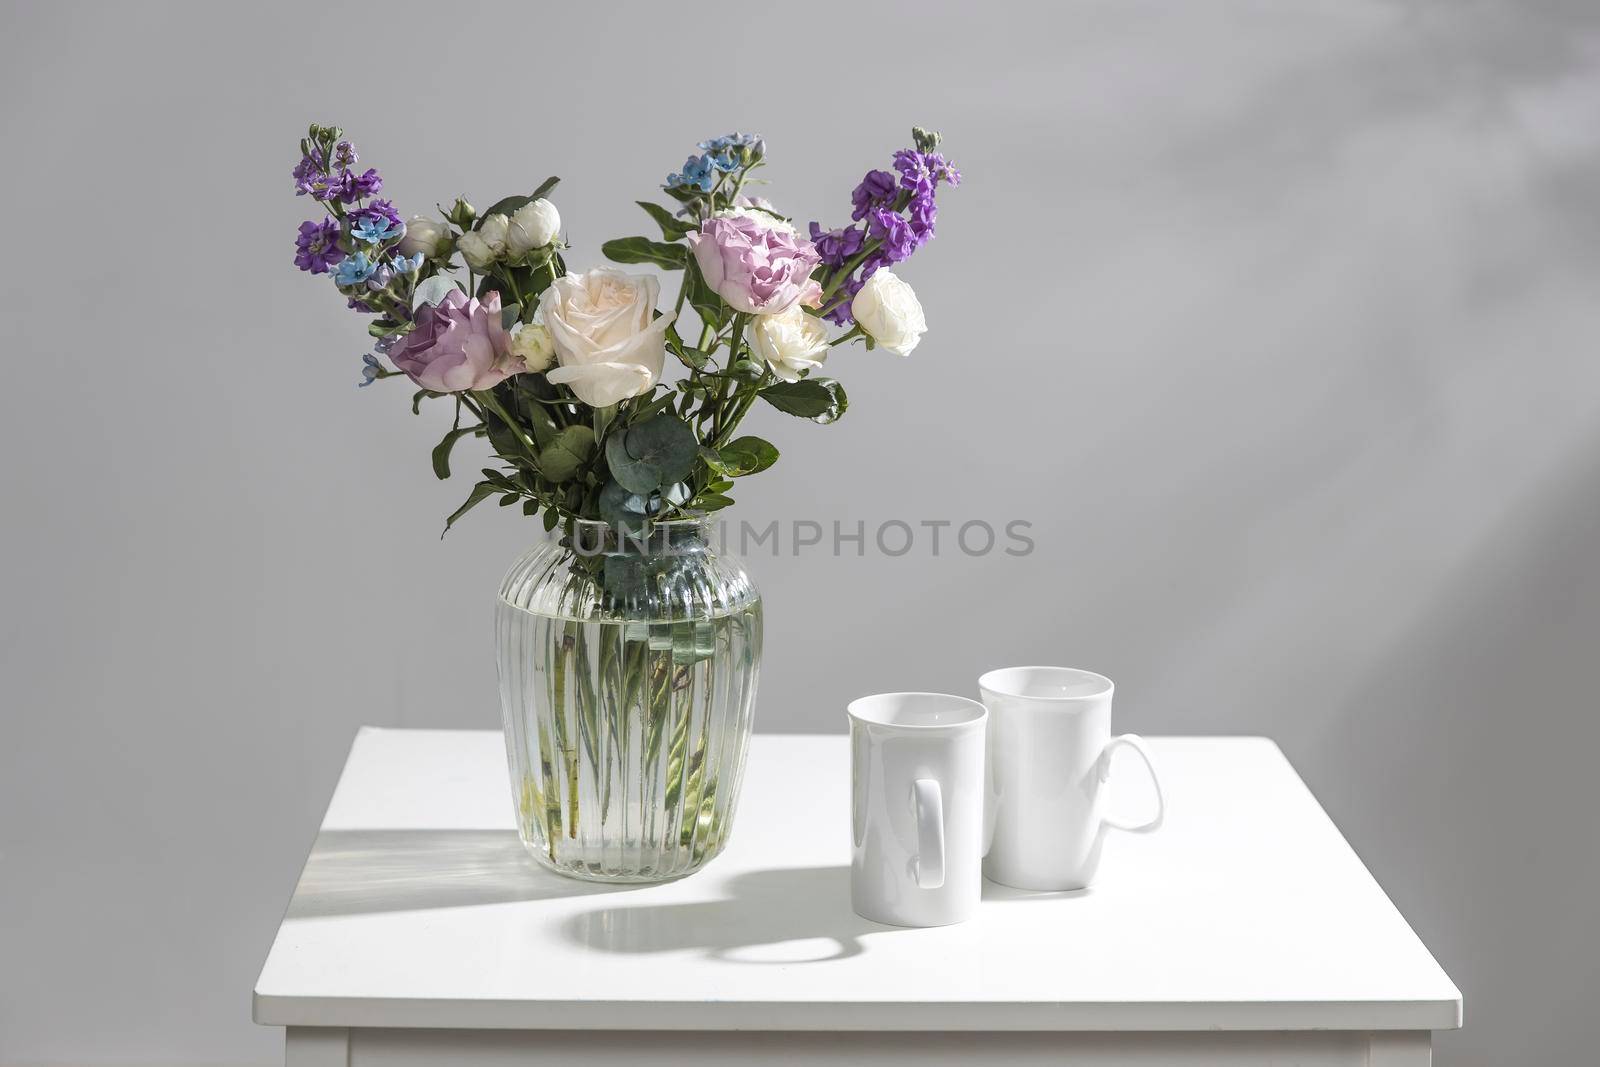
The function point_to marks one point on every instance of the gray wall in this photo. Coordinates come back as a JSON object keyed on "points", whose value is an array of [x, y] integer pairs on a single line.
{"points": [[1277, 320]]}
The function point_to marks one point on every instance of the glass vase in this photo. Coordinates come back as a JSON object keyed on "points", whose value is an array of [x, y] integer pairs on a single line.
{"points": [[628, 668]]}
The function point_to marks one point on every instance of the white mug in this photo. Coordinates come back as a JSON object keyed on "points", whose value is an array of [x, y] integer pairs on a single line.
{"points": [[916, 808], [1050, 749]]}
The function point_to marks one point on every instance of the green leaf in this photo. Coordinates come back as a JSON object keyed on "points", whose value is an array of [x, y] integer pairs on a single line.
{"points": [[621, 508], [551, 517], [692, 358], [480, 492], [632, 474], [714, 461], [441, 451], [748, 455], [567, 453], [712, 501], [644, 250], [509, 499], [666, 443], [704, 299], [672, 227], [530, 506], [818, 399]]}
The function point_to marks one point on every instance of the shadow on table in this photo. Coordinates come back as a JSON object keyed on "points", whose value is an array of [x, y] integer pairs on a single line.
{"points": [[355, 872], [784, 916]]}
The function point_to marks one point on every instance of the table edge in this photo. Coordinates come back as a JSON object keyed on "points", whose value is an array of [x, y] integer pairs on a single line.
{"points": [[1086, 1016]]}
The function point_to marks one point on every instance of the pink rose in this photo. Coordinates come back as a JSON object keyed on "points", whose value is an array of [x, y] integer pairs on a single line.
{"points": [[458, 344], [757, 267]]}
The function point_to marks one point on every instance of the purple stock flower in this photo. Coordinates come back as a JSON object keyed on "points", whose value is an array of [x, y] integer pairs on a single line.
{"points": [[891, 228], [923, 215], [921, 172], [837, 246], [876, 189], [353, 186], [305, 172], [344, 154], [317, 248]]}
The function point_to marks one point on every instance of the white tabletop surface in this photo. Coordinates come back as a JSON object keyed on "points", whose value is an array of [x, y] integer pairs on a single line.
{"points": [[1247, 911]]}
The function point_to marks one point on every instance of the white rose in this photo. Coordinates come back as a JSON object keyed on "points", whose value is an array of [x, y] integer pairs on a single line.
{"points": [[887, 309], [428, 236], [493, 230], [530, 342], [533, 225], [762, 213], [791, 342], [607, 339], [478, 253], [483, 246]]}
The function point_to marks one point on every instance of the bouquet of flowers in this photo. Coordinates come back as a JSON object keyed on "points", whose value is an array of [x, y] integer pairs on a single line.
{"points": [[562, 372]]}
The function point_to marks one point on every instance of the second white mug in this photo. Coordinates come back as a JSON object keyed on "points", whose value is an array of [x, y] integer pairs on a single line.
{"points": [[1050, 748]]}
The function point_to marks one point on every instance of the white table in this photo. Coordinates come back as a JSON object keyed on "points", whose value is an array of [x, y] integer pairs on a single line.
{"points": [[1245, 933]]}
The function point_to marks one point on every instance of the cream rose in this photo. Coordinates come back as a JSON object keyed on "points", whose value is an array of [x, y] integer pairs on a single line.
{"points": [[533, 225], [478, 253], [530, 342], [791, 342], [428, 236], [483, 246], [608, 342], [887, 309]]}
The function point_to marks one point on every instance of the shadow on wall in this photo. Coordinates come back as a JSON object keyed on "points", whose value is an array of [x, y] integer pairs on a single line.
{"points": [[1489, 714]]}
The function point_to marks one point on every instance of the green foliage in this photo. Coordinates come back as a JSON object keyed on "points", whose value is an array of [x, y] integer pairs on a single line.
{"points": [[652, 454], [672, 227], [747, 455], [441, 451], [818, 399], [480, 492], [644, 250], [567, 454]]}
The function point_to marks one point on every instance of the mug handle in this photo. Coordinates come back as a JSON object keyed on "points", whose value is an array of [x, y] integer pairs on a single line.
{"points": [[1136, 743], [928, 801]]}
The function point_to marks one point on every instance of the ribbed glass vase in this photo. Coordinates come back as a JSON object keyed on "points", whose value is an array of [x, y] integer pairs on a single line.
{"points": [[628, 669]]}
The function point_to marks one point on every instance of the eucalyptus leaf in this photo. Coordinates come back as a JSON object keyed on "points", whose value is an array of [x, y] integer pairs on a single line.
{"points": [[567, 453], [666, 443], [644, 250], [632, 473], [621, 508], [432, 290], [818, 399]]}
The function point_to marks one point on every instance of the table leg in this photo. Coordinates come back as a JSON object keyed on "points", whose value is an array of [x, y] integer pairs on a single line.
{"points": [[316, 1046], [1400, 1048]]}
